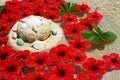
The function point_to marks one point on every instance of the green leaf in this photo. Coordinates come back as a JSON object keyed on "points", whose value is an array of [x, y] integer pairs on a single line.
{"points": [[1, 8], [74, 12], [94, 38], [62, 12], [87, 33], [97, 29], [67, 6], [73, 6], [109, 36], [62, 7], [91, 36]]}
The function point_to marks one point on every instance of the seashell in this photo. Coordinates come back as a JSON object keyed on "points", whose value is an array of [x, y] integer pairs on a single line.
{"points": [[38, 44], [33, 21], [14, 35]]}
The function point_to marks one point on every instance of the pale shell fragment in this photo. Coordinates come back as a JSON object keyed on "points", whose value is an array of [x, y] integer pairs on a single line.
{"points": [[38, 44], [14, 35], [33, 21]]}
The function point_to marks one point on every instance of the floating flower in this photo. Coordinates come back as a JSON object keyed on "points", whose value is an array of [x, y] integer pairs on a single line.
{"points": [[38, 12], [83, 8], [4, 30], [38, 76], [50, 15], [5, 53], [60, 52], [86, 24], [22, 55], [59, 1], [112, 61], [41, 6], [78, 57], [94, 67], [11, 67], [5, 76], [69, 19], [72, 30], [24, 6], [53, 8], [61, 72], [79, 44], [95, 16], [39, 60], [25, 13], [12, 3], [9, 20], [3, 40]]}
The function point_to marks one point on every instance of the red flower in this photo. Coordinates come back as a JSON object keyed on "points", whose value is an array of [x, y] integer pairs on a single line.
{"points": [[60, 52], [5, 76], [79, 44], [3, 40], [50, 15], [38, 12], [85, 76], [72, 30], [59, 1], [39, 60], [112, 61], [61, 72], [41, 6], [94, 67], [53, 8], [83, 8], [24, 6], [9, 20], [32, 76], [5, 53], [95, 16], [22, 55], [31, 1], [4, 30], [69, 19], [12, 67], [86, 24], [25, 13], [12, 3], [49, 1], [78, 57]]}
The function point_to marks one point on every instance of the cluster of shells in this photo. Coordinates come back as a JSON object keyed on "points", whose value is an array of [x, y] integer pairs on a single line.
{"points": [[35, 32]]}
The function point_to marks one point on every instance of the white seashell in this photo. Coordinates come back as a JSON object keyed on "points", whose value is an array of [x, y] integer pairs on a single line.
{"points": [[33, 21], [23, 26], [14, 35], [38, 44]]}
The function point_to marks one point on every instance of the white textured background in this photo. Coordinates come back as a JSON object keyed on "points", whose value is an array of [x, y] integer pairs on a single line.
{"points": [[111, 22]]}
